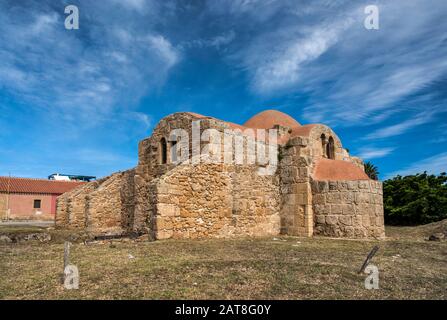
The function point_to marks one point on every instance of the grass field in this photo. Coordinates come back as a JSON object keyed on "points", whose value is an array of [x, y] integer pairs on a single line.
{"points": [[268, 268]]}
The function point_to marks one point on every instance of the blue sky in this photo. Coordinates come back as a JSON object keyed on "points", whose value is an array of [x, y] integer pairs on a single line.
{"points": [[78, 101]]}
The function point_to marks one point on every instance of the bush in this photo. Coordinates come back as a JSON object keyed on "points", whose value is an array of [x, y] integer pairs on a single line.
{"points": [[415, 199]]}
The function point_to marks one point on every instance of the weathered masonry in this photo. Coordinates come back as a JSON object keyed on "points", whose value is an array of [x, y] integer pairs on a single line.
{"points": [[317, 188]]}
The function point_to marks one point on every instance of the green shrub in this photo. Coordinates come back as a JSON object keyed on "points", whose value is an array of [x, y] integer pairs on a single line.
{"points": [[415, 199]]}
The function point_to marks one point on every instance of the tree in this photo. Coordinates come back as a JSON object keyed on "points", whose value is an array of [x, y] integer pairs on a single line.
{"points": [[415, 199], [371, 171]]}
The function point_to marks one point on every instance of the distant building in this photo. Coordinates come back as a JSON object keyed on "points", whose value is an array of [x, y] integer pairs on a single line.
{"points": [[33, 199], [70, 177]]}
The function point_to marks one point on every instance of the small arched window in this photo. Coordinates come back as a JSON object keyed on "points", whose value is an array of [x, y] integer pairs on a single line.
{"points": [[163, 151], [330, 148], [323, 145]]}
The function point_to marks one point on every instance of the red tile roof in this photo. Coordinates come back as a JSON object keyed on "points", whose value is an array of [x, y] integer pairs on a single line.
{"points": [[334, 170], [42, 186], [268, 118]]}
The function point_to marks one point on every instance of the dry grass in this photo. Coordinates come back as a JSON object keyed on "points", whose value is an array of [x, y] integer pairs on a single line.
{"points": [[288, 268], [419, 233]]}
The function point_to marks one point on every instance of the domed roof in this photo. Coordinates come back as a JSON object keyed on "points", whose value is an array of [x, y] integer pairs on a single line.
{"points": [[268, 118], [335, 170]]}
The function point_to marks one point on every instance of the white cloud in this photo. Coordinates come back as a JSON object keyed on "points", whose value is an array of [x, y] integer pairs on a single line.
{"points": [[81, 75], [371, 74], [119, 57], [145, 119], [257, 11], [217, 41], [43, 23], [133, 4], [371, 153], [433, 165], [400, 128], [223, 39], [402, 82], [164, 49], [284, 68], [321, 51]]}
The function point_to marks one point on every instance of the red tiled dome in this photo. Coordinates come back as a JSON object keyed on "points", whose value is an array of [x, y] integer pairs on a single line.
{"points": [[268, 118], [333, 170]]}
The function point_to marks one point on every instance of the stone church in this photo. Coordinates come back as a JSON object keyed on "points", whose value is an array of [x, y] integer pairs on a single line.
{"points": [[189, 184]]}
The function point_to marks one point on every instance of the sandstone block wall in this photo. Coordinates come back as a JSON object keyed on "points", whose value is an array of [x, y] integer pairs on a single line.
{"points": [[296, 198], [215, 200], [149, 167], [103, 206], [352, 209], [110, 205], [256, 202]]}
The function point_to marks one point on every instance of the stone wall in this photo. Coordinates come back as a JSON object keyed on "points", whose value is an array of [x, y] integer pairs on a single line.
{"points": [[352, 209], [296, 198], [102, 206], [149, 167], [215, 200], [77, 206], [256, 202], [315, 145], [224, 199], [110, 205]]}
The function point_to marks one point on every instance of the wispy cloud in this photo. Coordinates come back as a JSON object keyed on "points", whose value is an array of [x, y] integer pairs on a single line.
{"points": [[434, 165], [143, 118], [322, 51], [164, 49], [371, 152], [77, 93], [136, 5], [400, 128], [217, 41], [282, 68], [85, 73], [372, 73]]}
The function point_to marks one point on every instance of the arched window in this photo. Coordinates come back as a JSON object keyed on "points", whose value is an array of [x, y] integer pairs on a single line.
{"points": [[163, 151], [323, 145], [330, 148]]}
